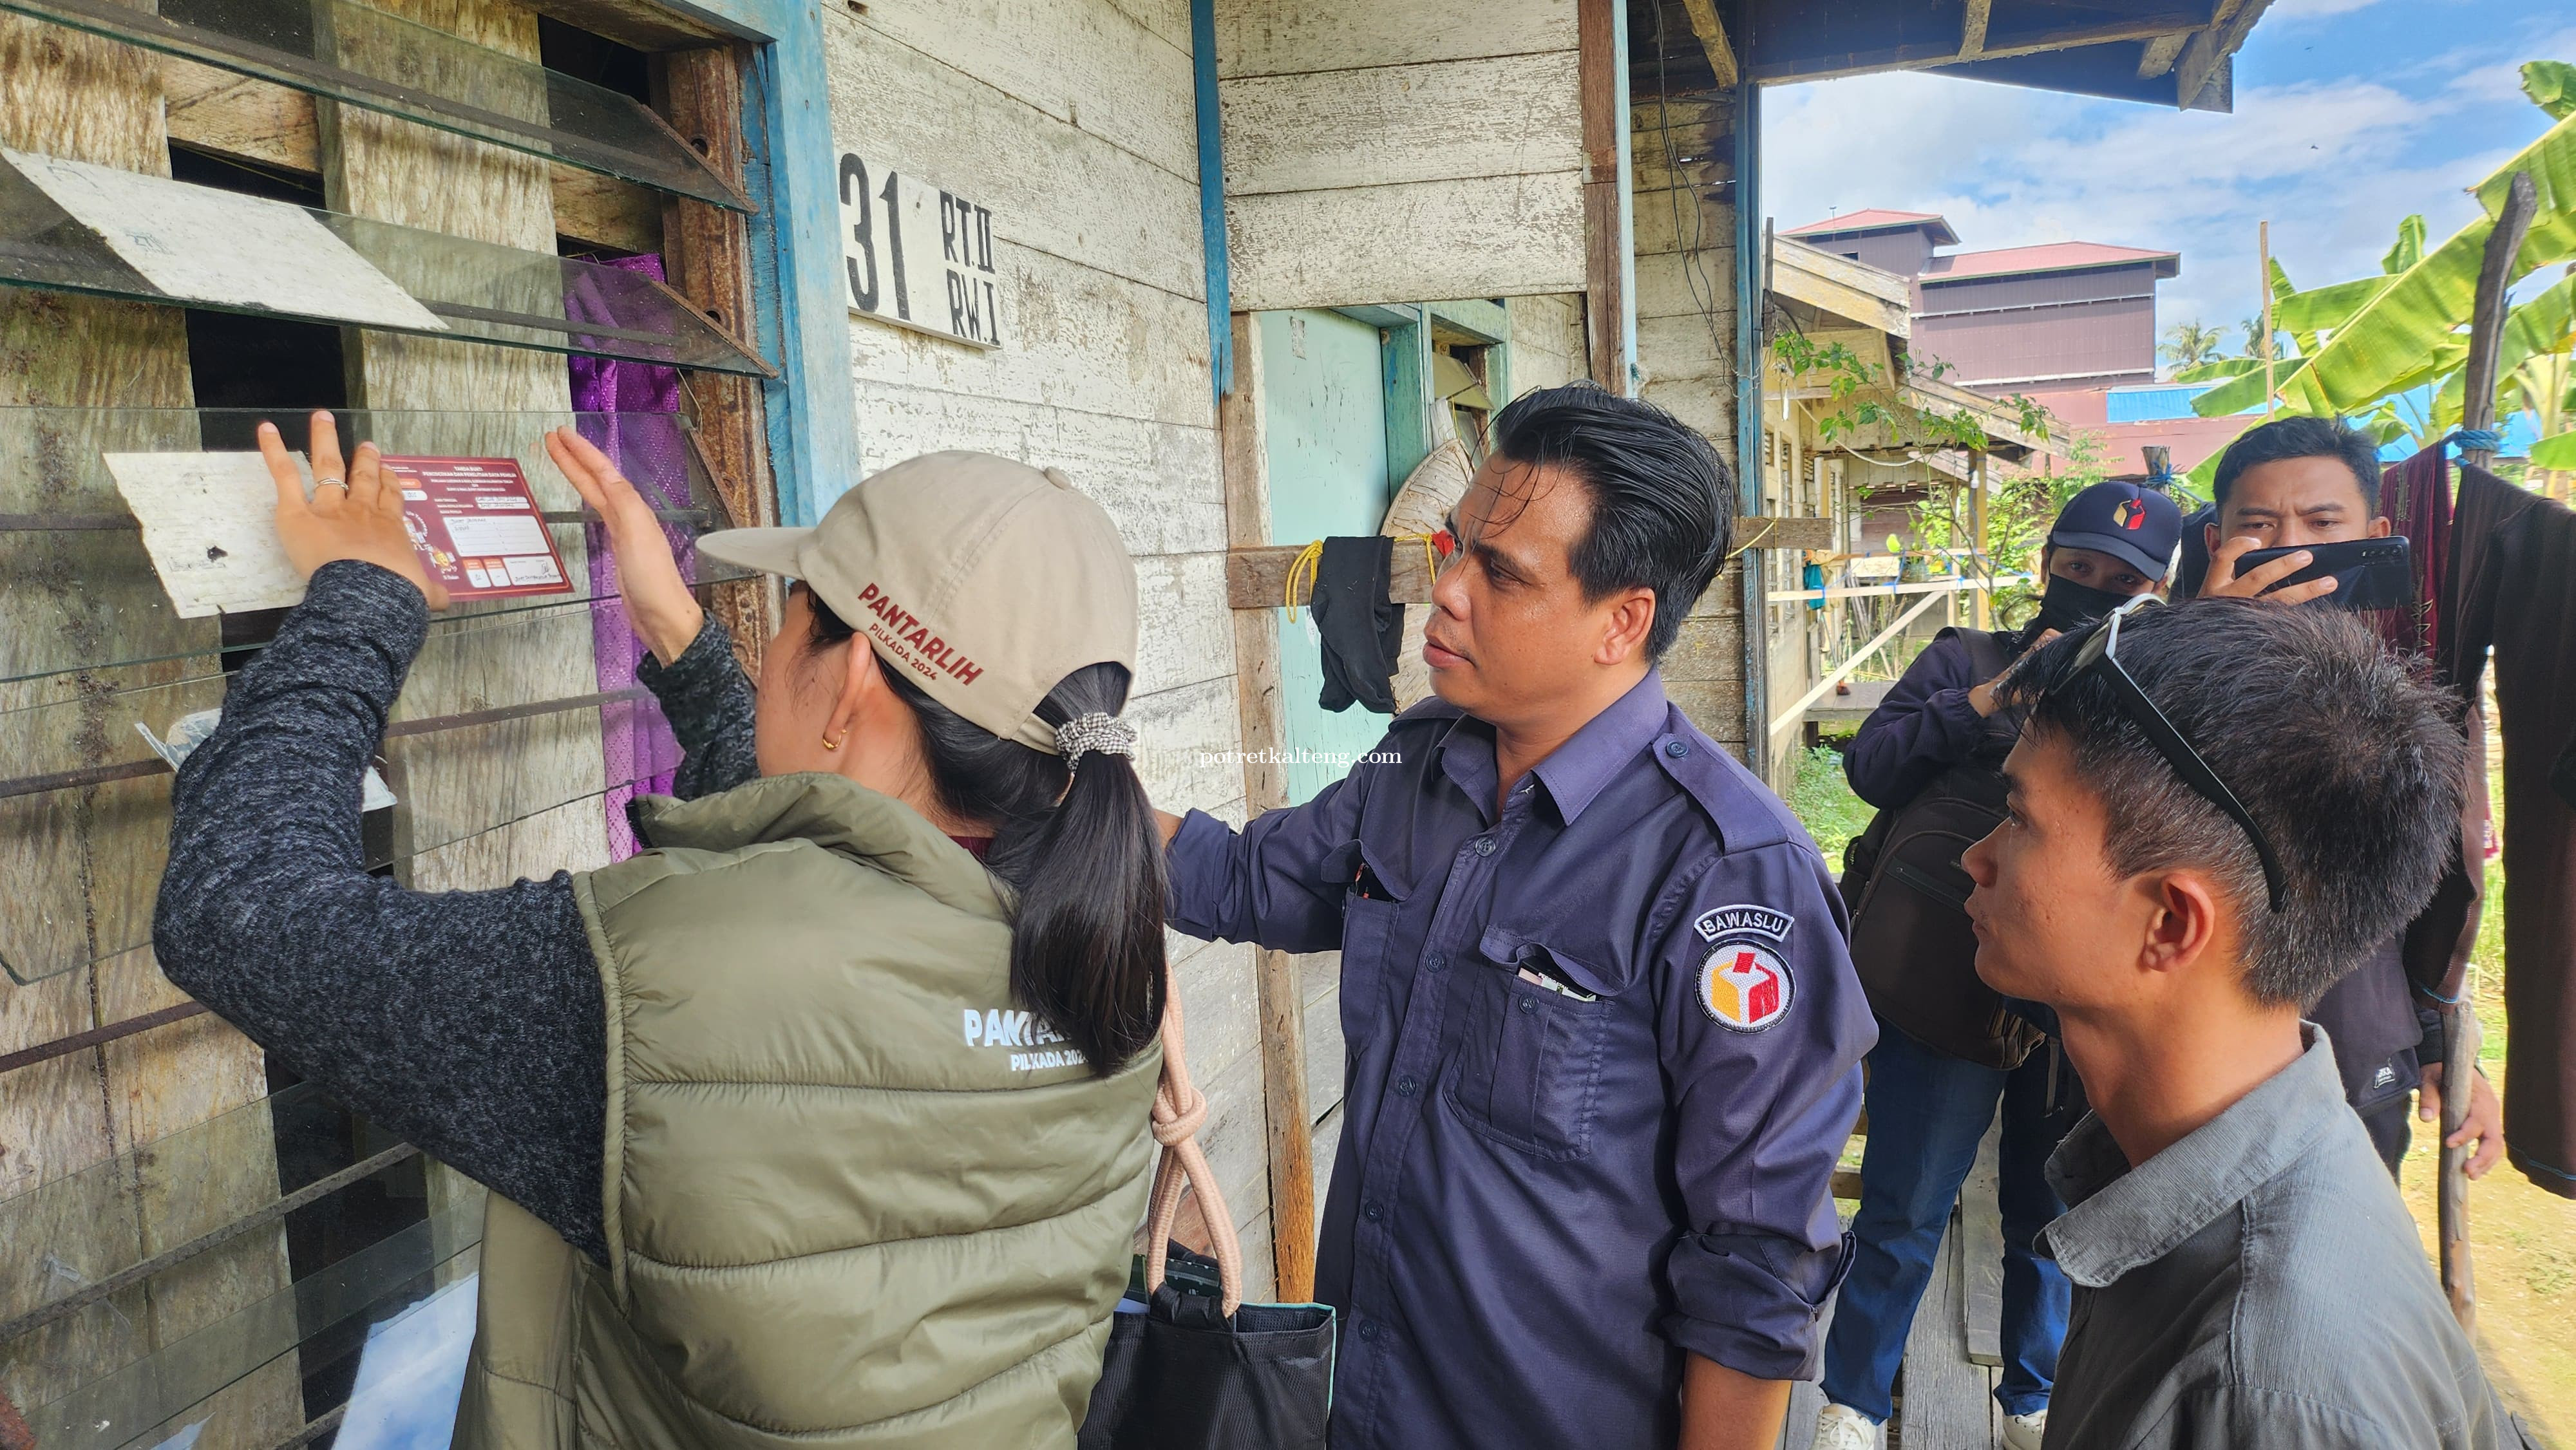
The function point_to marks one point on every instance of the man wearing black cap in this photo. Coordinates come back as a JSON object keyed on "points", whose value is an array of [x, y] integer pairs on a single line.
{"points": [[1930, 758]]}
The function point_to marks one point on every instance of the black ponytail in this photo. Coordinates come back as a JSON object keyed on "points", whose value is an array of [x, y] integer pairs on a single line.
{"points": [[1082, 852]]}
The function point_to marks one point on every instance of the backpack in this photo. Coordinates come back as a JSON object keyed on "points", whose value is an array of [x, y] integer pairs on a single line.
{"points": [[1911, 943]]}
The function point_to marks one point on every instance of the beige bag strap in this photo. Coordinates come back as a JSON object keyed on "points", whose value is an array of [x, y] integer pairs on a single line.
{"points": [[1179, 1108]]}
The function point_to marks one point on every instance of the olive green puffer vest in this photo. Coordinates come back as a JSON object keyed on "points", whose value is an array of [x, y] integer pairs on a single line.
{"points": [[853, 1197]]}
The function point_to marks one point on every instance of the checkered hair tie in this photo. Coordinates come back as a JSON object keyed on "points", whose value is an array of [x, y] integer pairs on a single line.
{"points": [[1083, 734]]}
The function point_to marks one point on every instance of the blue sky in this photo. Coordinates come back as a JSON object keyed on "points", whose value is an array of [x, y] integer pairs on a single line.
{"points": [[2349, 114]]}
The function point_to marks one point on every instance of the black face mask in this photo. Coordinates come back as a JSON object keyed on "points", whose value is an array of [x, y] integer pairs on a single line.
{"points": [[2066, 606]]}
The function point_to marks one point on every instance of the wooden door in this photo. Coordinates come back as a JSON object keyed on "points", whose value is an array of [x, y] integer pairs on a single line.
{"points": [[1325, 434]]}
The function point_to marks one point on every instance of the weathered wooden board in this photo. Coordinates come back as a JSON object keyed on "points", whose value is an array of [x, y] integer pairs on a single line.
{"points": [[1260, 1250], [1706, 648], [708, 255], [251, 120], [1682, 346], [1188, 635], [1260, 37], [1186, 744], [1689, 127], [1500, 236], [1081, 339], [1218, 995], [82, 866], [1159, 481], [1841, 287], [1704, 405], [1051, 186], [1236, 1137], [1948, 1402], [1547, 342], [1258, 578], [1663, 220], [1389, 125], [1693, 286], [1981, 1253], [1069, 62]]}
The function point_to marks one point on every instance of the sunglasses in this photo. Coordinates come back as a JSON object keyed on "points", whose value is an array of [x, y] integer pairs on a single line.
{"points": [[2100, 655]]}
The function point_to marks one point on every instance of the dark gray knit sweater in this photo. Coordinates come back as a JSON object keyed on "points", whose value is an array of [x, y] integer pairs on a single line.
{"points": [[467, 1021]]}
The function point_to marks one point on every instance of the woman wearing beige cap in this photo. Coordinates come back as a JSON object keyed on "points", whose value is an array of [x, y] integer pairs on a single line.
{"points": [[826, 1117]]}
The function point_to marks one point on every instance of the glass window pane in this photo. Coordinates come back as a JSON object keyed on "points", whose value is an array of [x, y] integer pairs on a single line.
{"points": [[482, 741], [474, 290], [368, 58]]}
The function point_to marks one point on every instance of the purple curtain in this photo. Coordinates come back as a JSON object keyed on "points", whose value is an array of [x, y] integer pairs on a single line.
{"points": [[632, 412]]}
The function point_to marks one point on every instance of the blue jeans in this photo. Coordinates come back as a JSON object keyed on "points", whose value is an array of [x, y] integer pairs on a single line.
{"points": [[1926, 1112]]}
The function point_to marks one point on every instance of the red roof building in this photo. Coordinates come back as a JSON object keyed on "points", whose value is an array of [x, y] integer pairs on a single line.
{"points": [[2053, 318]]}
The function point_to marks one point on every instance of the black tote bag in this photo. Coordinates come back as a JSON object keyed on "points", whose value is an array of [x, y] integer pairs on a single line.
{"points": [[1195, 1369]]}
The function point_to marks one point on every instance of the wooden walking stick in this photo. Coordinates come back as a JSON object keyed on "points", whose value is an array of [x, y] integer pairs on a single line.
{"points": [[2460, 1055]]}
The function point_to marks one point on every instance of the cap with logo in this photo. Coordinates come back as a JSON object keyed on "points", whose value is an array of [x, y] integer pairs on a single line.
{"points": [[984, 580], [2134, 524]]}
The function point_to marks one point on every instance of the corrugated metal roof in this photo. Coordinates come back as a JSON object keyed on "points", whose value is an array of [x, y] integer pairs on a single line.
{"points": [[1875, 220], [2046, 257]]}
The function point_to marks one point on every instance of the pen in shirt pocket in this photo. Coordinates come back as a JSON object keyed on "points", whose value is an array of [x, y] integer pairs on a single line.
{"points": [[1562, 989]]}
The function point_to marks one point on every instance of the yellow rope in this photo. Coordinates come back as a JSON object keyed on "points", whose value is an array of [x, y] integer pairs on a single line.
{"points": [[1311, 558], [1308, 560], [1767, 527]]}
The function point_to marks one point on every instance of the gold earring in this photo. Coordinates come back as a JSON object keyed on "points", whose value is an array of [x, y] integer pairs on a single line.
{"points": [[831, 744]]}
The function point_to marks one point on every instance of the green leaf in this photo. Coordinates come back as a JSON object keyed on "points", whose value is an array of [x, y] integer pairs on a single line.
{"points": [[2410, 246], [2551, 163], [2538, 327], [2388, 337], [2557, 452], [2551, 84], [2304, 339], [2327, 307], [2296, 385], [2220, 367]]}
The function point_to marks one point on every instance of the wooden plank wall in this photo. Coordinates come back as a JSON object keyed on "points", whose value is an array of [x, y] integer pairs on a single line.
{"points": [[1073, 120], [82, 866], [1685, 231], [1546, 342], [484, 805], [1389, 153]]}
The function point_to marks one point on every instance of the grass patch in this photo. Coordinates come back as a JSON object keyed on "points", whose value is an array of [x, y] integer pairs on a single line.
{"points": [[1825, 804]]}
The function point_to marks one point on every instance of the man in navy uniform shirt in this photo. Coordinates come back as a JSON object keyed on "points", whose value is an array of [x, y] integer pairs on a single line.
{"points": [[1602, 1034]]}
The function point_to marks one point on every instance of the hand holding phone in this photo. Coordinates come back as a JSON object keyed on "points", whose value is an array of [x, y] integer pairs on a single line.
{"points": [[2367, 573]]}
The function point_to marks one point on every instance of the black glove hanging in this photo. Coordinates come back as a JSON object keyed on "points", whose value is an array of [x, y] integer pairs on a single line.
{"points": [[1363, 633]]}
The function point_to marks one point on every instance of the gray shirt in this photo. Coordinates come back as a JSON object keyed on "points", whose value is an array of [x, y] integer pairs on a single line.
{"points": [[2257, 1283]]}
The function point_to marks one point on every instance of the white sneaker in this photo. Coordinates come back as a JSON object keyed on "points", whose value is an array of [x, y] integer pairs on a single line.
{"points": [[2024, 1432], [1840, 1427]]}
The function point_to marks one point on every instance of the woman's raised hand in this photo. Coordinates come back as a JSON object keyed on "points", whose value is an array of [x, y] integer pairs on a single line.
{"points": [[659, 606], [354, 513]]}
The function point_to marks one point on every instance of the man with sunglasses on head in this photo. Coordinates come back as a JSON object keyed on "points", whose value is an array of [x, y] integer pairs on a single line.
{"points": [[1950, 1054], [2287, 485], [2192, 850]]}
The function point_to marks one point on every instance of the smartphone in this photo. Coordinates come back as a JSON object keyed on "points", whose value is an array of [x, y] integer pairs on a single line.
{"points": [[2368, 573]]}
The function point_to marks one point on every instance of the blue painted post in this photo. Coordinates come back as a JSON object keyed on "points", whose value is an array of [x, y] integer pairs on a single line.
{"points": [[1406, 367], [1220, 291], [799, 317], [1749, 286]]}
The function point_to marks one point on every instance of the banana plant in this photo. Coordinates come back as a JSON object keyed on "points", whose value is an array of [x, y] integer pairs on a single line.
{"points": [[2378, 335]]}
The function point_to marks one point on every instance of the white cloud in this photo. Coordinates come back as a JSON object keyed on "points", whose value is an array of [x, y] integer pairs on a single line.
{"points": [[2295, 11], [2333, 165]]}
